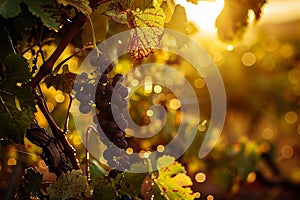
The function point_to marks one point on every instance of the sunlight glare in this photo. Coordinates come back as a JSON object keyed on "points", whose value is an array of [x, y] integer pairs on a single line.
{"points": [[204, 14]]}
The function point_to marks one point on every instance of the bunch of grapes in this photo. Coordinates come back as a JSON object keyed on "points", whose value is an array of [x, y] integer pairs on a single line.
{"points": [[109, 98]]}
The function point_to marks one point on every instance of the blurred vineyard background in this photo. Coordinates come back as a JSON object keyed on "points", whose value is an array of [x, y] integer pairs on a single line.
{"points": [[258, 153]]}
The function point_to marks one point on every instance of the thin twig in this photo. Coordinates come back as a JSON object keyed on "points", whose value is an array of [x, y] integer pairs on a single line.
{"points": [[56, 69]]}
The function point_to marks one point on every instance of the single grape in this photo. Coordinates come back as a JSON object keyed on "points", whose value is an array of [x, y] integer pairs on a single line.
{"points": [[111, 126], [116, 99], [123, 124], [118, 77], [84, 108], [109, 89], [100, 88], [118, 134], [113, 173], [111, 163], [82, 97], [121, 143], [84, 76], [108, 154], [103, 78], [123, 91], [94, 61], [123, 103], [124, 163], [101, 104]]}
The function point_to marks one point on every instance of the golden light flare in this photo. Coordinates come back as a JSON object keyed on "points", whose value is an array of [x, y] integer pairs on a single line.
{"points": [[204, 14]]}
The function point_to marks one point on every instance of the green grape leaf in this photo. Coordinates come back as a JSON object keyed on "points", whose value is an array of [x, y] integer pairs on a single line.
{"points": [[70, 185], [103, 189], [132, 182], [173, 182], [81, 5], [29, 186], [45, 10], [233, 19], [17, 105], [63, 82], [146, 36], [178, 23]]}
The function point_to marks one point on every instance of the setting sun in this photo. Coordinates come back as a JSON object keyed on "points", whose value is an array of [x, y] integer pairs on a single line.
{"points": [[204, 14]]}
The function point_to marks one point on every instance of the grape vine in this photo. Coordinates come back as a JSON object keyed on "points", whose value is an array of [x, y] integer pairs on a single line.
{"points": [[27, 65]]}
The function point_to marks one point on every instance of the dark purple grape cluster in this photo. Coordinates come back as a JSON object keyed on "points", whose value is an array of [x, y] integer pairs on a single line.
{"points": [[111, 104]]}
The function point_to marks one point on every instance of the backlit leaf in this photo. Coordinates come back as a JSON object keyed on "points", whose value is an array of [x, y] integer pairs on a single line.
{"points": [[16, 103], [63, 81], [233, 19], [146, 36], [173, 182], [178, 23]]}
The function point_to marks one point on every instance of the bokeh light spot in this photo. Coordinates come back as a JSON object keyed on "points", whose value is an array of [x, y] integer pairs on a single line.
{"points": [[210, 197], [11, 161], [160, 148], [267, 133], [200, 177], [174, 104], [287, 151], [129, 150], [199, 83], [251, 177], [291, 117], [248, 59], [157, 89], [59, 98]]}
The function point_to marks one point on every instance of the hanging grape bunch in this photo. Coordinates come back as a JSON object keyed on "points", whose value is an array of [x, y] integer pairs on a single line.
{"points": [[109, 100]]}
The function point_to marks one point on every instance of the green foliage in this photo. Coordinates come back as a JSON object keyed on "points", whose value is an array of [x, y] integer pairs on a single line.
{"points": [[103, 189], [132, 182], [63, 81], [70, 185], [29, 187], [42, 9], [81, 5], [233, 20], [17, 105]]}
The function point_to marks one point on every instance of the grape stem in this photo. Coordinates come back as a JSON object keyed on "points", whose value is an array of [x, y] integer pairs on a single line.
{"points": [[72, 29], [57, 132]]}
